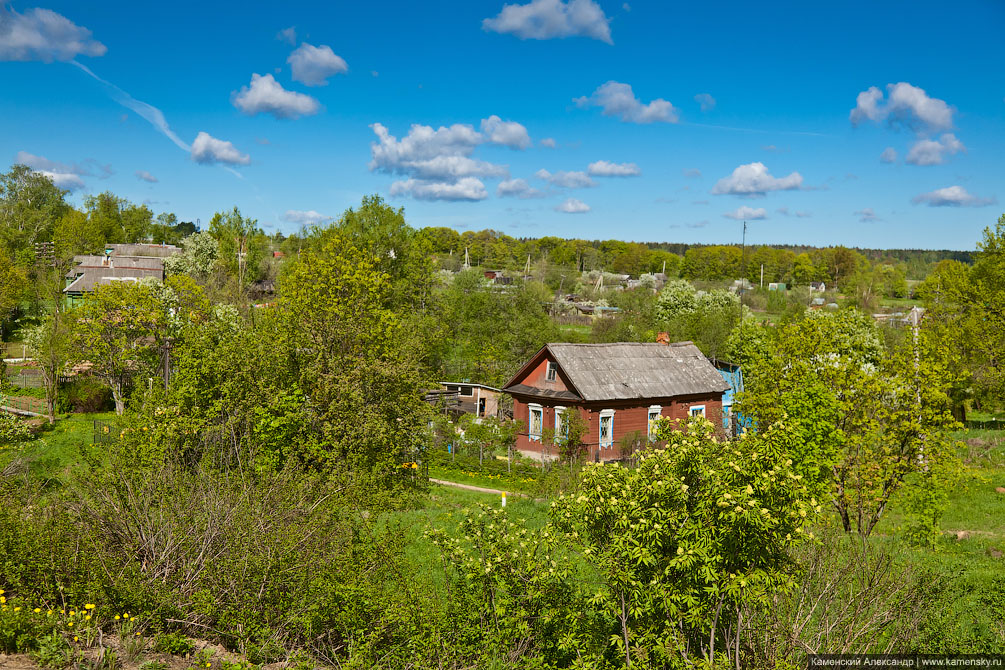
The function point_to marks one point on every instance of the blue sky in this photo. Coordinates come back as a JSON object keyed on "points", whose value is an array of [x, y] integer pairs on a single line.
{"points": [[873, 124]]}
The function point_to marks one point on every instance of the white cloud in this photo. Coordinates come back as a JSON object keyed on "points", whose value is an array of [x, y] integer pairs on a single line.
{"points": [[565, 179], [441, 154], [70, 182], [288, 35], [267, 96], [905, 105], [63, 175], [143, 175], [952, 196], [706, 101], [467, 188], [422, 143], [303, 218], [549, 142], [313, 65], [518, 188], [867, 215], [608, 169], [754, 180], [747, 214], [507, 133], [889, 155], [208, 150], [934, 152], [548, 19], [439, 163], [797, 213], [573, 206], [617, 99], [43, 35]]}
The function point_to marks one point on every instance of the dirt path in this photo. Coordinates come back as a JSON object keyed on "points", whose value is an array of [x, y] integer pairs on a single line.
{"points": [[471, 487]]}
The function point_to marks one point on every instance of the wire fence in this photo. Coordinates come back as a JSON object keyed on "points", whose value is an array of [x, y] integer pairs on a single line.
{"points": [[104, 433], [26, 380]]}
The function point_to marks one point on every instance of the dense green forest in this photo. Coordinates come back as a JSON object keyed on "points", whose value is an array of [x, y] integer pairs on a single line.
{"points": [[234, 465]]}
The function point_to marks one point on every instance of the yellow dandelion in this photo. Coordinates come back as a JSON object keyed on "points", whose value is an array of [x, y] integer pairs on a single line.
{"points": [[87, 618], [72, 613], [126, 615], [137, 635], [117, 617], [37, 610], [17, 609], [207, 665], [70, 624], [88, 607], [49, 613], [3, 599], [75, 638]]}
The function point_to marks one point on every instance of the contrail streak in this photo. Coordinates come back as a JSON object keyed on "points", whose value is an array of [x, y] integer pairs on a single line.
{"points": [[148, 112]]}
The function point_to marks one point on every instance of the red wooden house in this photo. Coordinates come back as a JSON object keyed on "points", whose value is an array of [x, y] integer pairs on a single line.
{"points": [[618, 389]]}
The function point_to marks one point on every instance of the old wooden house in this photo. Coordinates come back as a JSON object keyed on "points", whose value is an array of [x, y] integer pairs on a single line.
{"points": [[619, 390]]}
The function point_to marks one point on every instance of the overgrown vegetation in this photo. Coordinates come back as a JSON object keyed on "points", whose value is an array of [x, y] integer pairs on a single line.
{"points": [[262, 484]]}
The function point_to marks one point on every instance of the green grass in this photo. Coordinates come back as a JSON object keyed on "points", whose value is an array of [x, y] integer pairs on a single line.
{"points": [[487, 480], [576, 332], [444, 508], [58, 447], [899, 303]]}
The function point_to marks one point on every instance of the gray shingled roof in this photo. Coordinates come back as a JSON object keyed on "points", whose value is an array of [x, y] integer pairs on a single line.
{"points": [[628, 370]]}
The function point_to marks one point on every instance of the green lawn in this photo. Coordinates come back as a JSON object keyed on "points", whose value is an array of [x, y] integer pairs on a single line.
{"points": [[575, 332], [58, 447], [443, 508]]}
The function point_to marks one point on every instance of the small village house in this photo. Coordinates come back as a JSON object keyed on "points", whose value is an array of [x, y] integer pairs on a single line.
{"points": [[120, 262], [618, 389]]}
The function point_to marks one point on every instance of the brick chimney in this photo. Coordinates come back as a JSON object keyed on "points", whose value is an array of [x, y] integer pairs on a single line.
{"points": [[663, 338]]}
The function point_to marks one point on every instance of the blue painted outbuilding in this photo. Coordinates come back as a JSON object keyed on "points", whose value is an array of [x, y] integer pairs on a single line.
{"points": [[732, 422]]}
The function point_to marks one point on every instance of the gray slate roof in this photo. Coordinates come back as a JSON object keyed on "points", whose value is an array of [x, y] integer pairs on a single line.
{"points": [[629, 370]]}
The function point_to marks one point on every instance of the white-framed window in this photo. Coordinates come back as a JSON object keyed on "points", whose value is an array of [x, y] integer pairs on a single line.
{"points": [[696, 410], [466, 391], [552, 373], [535, 421], [607, 428], [655, 412], [561, 426]]}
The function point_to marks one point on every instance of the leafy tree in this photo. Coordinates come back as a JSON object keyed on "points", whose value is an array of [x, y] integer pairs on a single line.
{"points": [[118, 331], [864, 419], [49, 344], [688, 540], [397, 250], [706, 318], [343, 344], [12, 286], [491, 332], [30, 204], [199, 256], [242, 245]]}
